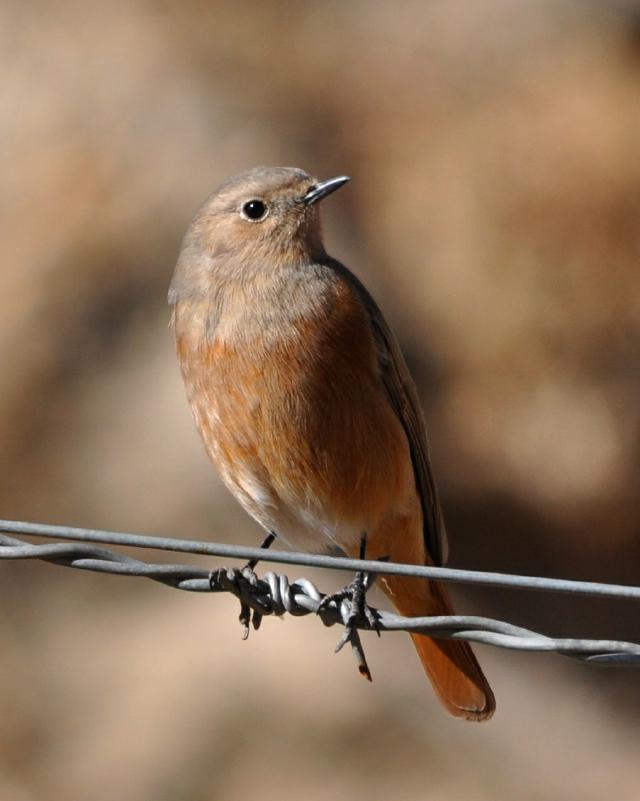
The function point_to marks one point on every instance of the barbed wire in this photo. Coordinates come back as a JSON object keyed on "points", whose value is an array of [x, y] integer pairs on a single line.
{"points": [[273, 594]]}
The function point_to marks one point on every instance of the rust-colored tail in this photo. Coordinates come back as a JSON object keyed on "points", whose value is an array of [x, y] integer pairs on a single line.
{"points": [[450, 664]]}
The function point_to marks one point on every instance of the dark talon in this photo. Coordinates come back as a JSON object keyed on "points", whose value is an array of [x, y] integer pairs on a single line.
{"points": [[230, 576], [224, 576], [359, 610], [256, 619]]}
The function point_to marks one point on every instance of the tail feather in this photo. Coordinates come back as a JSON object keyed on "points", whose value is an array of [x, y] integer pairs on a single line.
{"points": [[450, 664]]}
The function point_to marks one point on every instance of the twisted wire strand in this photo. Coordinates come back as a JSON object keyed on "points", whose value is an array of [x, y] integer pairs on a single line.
{"points": [[273, 594]]}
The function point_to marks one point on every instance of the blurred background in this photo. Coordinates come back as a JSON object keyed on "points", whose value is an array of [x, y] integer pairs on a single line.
{"points": [[494, 211]]}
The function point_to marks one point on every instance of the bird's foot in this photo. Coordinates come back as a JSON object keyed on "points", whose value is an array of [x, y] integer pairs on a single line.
{"points": [[238, 580], [248, 616], [353, 609]]}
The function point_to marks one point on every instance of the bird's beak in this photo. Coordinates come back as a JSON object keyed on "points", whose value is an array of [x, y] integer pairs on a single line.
{"points": [[324, 188]]}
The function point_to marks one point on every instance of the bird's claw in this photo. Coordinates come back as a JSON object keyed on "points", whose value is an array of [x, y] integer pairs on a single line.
{"points": [[354, 594], [231, 576], [351, 605]]}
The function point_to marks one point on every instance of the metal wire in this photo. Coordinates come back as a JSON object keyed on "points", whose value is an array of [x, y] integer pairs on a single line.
{"points": [[273, 594], [446, 574]]}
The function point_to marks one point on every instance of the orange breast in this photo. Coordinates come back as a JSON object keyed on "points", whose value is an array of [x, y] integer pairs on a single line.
{"points": [[304, 411]]}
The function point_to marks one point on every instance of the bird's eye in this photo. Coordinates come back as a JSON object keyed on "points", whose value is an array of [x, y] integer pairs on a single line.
{"points": [[254, 210]]}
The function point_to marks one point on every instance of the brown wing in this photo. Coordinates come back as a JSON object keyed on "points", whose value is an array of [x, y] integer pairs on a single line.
{"points": [[403, 397]]}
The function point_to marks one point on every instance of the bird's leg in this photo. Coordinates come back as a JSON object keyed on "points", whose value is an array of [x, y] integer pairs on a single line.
{"points": [[355, 595], [248, 572], [355, 592], [267, 542], [246, 616]]}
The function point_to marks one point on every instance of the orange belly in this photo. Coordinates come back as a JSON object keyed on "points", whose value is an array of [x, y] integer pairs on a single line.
{"points": [[300, 428]]}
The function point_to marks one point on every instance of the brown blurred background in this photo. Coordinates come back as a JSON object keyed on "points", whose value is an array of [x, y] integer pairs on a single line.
{"points": [[495, 213]]}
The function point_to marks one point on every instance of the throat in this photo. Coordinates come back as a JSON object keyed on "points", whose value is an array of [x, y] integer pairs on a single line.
{"points": [[265, 307]]}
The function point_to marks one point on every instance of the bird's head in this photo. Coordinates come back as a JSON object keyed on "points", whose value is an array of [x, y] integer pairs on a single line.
{"points": [[253, 221]]}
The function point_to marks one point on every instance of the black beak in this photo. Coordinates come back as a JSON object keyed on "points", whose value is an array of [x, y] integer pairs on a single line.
{"points": [[323, 189]]}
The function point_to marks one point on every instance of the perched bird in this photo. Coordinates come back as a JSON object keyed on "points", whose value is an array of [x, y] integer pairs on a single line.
{"points": [[305, 403]]}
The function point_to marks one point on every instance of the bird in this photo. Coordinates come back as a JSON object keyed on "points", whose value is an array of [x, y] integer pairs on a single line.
{"points": [[305, 403]]}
